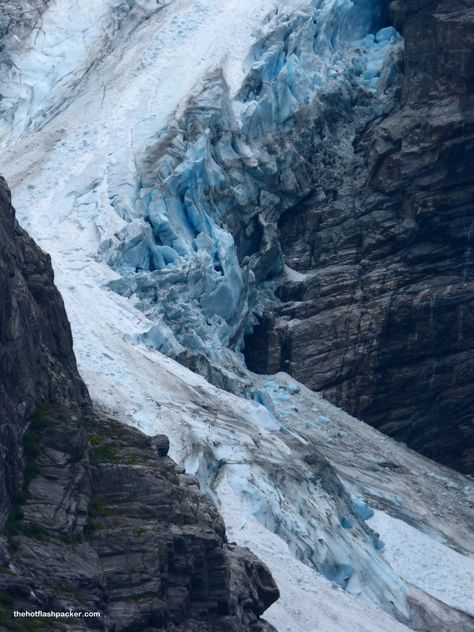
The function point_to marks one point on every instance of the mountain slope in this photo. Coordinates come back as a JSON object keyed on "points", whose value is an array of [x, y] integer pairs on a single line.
{"points": [[152, 150]]}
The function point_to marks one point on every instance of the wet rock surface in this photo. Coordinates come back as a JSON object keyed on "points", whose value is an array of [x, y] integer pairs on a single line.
{"points": [[95, 515], [374, 306]]}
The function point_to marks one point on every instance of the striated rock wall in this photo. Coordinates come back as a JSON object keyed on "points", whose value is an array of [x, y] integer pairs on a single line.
{"points": [[375, 309], [95, 516], [37, 363]]}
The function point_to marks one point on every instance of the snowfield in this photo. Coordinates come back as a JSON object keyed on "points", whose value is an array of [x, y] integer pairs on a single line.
{"points": [[361, 534]]}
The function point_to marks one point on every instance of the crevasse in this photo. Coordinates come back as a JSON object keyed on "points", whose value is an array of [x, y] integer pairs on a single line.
{"points": [[199, 248]]}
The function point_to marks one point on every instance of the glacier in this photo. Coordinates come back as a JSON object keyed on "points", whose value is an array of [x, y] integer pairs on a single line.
{"points": [[208, 229], [196, 197], [151, 148]]}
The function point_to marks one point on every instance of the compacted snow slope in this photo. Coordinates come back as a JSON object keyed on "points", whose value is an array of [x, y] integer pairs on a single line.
{"points": [[93, 99]]}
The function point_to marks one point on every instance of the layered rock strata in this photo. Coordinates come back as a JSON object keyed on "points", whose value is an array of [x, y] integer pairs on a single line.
{"points": [[374, 307]]}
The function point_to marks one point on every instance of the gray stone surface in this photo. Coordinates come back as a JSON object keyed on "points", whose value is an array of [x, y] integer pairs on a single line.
{"points": [[379, 318]]}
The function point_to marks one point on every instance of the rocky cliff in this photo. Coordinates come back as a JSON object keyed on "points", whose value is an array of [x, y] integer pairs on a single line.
{"points": [[95, 516], [374, 307]]}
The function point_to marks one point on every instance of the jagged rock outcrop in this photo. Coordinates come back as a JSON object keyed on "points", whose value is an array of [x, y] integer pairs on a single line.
{"points": [[375, 314], [37, 363], [95, 515]]}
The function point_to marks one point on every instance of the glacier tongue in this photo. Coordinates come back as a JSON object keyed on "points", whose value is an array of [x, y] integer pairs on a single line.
{"points": [[151, 148], [211, 186]]}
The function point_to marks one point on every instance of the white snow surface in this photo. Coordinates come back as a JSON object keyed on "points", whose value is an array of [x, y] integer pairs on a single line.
{"points": [[310, 602], [94, 83], [429, 565]]}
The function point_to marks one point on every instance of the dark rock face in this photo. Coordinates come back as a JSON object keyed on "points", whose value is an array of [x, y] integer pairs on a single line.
{"points": [[96, 516], [378, 318], [36, 359]]}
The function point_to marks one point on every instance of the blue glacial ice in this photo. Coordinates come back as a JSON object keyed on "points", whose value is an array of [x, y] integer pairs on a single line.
{"points": [[361, 508], [200, 253]]}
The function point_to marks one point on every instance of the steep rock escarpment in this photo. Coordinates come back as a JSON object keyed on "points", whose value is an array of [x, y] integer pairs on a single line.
{"points": [[95, 516], [374, 310]]}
